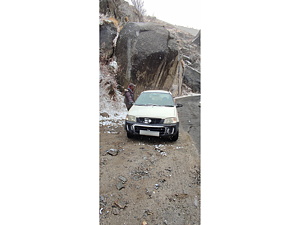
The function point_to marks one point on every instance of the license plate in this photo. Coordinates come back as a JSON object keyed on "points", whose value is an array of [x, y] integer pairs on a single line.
{"points": [[149, 133]]}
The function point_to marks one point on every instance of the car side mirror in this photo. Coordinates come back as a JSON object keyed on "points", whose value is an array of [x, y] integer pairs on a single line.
{"points": [[178, 105]]}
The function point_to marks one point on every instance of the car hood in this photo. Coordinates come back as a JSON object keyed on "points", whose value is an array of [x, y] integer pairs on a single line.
{"points": [[153, 111]]}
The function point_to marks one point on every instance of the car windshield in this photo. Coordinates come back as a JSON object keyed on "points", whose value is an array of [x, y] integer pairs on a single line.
{"points": [[155, 98]]}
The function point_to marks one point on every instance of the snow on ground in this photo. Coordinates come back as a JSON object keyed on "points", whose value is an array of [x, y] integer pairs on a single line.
{"points": [[117, 119], [112, 107], [114, 123], [115, 109]]}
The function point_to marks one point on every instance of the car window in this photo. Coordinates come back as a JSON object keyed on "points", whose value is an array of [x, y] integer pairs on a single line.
{"points": [[155, 98]]}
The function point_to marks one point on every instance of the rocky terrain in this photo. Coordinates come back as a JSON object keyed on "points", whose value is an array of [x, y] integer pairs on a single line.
{"points": [[147, 180]]}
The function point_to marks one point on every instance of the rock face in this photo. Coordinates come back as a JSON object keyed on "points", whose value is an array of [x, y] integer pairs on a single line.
{"points": [[197, 39], [108, 33], [153, 55], [189, 48], [119, 9], [148, 56], [192, 79]]}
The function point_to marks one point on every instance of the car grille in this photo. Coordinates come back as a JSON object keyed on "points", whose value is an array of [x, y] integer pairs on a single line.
{"points": [[161, 130], [149, 120]]}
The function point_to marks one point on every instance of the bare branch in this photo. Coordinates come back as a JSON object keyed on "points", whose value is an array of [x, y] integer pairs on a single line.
{"points": [[139, 5]]}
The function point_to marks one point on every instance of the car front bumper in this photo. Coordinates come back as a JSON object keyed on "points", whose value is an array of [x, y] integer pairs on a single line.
{"points": [[158, 130]]}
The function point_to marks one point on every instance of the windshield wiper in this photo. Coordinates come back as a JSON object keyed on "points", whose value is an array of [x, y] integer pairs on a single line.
{"points": [[154, 105], [145, 104]]}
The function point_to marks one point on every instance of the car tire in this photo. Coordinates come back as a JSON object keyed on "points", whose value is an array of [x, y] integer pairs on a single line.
{"points": [[175, 137], [129, 135]]}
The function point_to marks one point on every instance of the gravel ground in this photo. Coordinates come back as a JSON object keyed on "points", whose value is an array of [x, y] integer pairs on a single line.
{"points": [[148, 180]]}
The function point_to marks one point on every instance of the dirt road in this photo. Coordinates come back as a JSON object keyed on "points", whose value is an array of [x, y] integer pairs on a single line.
{"points": [[148, 180], [190, 117]]}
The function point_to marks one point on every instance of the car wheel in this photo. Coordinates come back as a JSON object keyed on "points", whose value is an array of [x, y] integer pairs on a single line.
{"points": [[129, 135], [175, 137]]}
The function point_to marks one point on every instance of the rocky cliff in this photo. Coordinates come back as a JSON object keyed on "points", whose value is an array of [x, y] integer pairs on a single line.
{"points": [[119, 9], [151, 54]]}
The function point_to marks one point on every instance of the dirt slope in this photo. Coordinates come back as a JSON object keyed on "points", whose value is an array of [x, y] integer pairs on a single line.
{"points": [[148, 180]]}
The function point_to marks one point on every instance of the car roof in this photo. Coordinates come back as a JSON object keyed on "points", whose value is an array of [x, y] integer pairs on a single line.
{"points": [[158, 91]]}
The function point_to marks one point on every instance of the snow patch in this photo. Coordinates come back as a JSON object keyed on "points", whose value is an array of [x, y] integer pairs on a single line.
{"points": [[114, 65], [111, 101]]}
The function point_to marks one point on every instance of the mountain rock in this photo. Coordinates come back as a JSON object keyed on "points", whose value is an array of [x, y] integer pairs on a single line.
{"points": [[189, 44], [153, 54], [108, 33], [120, 10], [192, 78], [197, 39], [148, 56]]}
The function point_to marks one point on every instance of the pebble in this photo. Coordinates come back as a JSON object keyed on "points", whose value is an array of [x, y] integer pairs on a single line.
{"points": [[169, 169], [123, 179], [163, 153], [121, 204], [196, 201], [102, 198], [104, 114], [120, 185], [115, 211], [113, 152]]}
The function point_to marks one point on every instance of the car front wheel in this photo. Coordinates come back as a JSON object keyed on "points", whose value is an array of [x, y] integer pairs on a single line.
{"points": [[129, 135], [174, 137]]}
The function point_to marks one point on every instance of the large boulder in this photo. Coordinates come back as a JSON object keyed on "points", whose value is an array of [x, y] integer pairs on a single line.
{"points": [[108, 33], [192, 79], [148, 56]]}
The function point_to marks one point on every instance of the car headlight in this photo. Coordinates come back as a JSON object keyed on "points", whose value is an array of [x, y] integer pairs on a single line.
{"points": [[131, 118], [171, 120]]}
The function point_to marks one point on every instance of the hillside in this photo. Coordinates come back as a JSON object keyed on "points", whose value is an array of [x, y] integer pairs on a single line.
{"points": [[192, 31], [114, 15], [180, 29]]}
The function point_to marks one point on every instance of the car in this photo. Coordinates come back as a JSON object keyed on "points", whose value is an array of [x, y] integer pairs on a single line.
{"points": [[154, 113]]}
